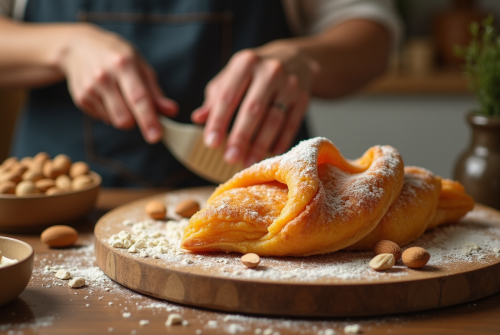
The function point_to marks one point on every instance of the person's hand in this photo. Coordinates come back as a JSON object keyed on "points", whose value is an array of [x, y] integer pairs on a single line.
{"points": [[109, 80], [271, 86]]}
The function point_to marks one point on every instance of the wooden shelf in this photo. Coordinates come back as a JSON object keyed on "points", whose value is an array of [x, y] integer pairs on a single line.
{"points": [[445, 82]]}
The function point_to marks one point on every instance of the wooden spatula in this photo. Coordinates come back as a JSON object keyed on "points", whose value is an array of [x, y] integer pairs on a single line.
{"points": [[185, 142]]}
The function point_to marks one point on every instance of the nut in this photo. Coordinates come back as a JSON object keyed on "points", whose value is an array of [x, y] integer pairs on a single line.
{"points": [[55, 190], [38, 161], [415, 257], [156, 210], [50, 171], [8, 163], [11, 176], [63, 182], [32, 175], [44, 184], [7, 187], [61, 163], [59, 236], [382, 262], [81, 182], [387, 247], [78, 169], [250, 260], [187, 208], [19, 168], [26, 187]]}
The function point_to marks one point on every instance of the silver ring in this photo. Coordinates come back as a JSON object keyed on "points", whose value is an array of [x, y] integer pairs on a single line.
{"points": [[281, 106]]}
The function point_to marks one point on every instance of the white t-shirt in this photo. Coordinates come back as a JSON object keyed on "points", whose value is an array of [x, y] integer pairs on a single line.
{"points": [[306, 17]]}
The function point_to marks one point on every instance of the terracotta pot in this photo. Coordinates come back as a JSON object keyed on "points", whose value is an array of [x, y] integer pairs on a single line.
{"points": [[478, 168]]}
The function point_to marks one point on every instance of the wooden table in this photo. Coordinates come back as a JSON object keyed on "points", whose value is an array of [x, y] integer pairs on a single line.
{"points": [[41, 309]]}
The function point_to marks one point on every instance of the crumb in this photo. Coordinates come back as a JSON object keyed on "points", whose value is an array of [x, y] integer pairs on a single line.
{"points": [[185, 323], [329, 332], [110, 303], [268, 331], [63, 274], [110, 329], [198, 332], [258, 331], [87, 297], [212, 324], [107, 289], [174, 319], [127, 315], [87, 305], [144, 322], [76, 282], [352, 329]]}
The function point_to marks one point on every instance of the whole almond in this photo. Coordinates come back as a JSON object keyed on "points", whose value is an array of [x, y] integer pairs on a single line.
{"points": [[387, 247], [44, 184], [415, 257], [55, 190], [19, 168], [250, 260], [156, 210], [187, 208], [50, 171], [63, 182], [8, 163], [81, 182], [78, 169], [11, 176], [26, 161], [32, 175], [38, 161], [59, 236], [382, 262], [26, 187], [61, 163], [7, 187]]}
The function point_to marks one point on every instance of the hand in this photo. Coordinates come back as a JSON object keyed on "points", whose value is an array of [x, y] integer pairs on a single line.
{"points": [[273, 85], [109, 80]]}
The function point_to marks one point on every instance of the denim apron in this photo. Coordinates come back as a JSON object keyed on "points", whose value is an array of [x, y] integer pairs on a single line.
{"points": [[187, 42]]}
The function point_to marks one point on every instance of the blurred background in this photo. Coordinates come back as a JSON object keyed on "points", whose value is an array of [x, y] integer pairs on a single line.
{"points": [[418, 106]]}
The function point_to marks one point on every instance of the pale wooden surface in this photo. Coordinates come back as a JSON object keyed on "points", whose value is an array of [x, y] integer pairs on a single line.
{"points": [[427, 288], [65, 313]]}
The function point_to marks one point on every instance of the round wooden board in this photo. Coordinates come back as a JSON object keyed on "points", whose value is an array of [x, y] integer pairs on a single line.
{"points": [[204, 284]]}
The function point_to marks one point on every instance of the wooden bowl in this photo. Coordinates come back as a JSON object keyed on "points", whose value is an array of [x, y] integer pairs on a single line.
{"points": [[14, 278], [34, 213]]}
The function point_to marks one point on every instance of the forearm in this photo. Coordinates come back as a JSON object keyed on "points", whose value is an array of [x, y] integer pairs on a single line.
{"points": [[30, 52], [349, 55]]}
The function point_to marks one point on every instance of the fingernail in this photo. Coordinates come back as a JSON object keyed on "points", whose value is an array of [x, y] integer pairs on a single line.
{"points": [[153, 134], [251, 161], [232, 155], [212, 139]]}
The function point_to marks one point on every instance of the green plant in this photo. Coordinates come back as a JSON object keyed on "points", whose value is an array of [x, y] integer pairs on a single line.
{"points": [[482, 65]]}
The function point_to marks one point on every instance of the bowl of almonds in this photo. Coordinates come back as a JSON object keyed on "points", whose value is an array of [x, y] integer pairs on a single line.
{"points": [[37, 192]]}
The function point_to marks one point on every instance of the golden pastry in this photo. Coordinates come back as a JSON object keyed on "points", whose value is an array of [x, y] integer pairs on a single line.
{"points": [[311, 200]]}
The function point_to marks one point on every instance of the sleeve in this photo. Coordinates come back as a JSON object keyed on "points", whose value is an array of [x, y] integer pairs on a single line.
{"points": [[6, 7], [318, 15]]}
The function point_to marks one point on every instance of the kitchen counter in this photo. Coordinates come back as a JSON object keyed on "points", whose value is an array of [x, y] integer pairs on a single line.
{"points": [[50, 306]]}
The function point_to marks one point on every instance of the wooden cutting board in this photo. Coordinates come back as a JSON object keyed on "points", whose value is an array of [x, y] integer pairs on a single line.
{"points": [[312, 291]]}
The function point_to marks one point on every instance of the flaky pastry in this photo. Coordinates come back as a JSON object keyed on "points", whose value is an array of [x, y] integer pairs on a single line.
{"points": [[312, 200]]}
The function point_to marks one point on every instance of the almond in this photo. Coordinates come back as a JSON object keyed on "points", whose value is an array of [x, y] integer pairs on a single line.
{"points": [[250, 260], [156, 210], [32, 175], [59, 236], [26, 187], [382, 262], [387, 247], [8, 163], [7, 187], [38, 161], [81, 182], [44, 184], [11, 176], [61, 163], [55, 190], [187, 208], [78, 169], [63, 182], [415, 257]]}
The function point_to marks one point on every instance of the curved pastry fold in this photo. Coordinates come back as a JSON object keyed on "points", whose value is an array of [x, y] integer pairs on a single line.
{"points": [[312, 200]]}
